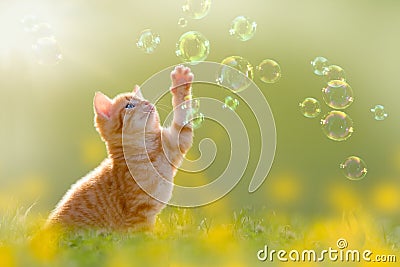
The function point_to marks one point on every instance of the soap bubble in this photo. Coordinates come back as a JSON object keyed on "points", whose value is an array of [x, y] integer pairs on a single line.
{"points": [[198, 119], [196, 9], [148, 41], [337, 125], [243, 28], [194, 104], [319, 64], [354, 168], [194, 117], [334, 72], [233, 73], [182, 22], [310, 107], [338, 94], [47, 51], [192, 47], [43, 30], [269, 71], [379, 112], [231, 103], [29, 22]]}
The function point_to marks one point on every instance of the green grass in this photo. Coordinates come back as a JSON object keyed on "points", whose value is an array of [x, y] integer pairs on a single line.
{"points": [[183, 237]]}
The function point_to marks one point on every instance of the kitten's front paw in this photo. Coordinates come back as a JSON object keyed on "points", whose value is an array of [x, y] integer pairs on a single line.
{"points": [[181, 78]]}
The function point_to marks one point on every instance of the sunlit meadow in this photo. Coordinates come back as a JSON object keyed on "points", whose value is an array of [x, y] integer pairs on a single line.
{"points": [[48, 140]]}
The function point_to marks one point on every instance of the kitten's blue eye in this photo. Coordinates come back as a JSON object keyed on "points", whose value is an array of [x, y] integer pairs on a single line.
{"points": [[130, 105]]}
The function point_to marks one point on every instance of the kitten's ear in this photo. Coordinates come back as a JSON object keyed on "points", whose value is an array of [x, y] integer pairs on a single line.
{"points": [[102, 105], [137, 92]]}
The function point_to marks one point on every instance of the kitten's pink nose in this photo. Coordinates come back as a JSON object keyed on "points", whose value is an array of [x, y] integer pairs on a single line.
{"points": [[148, 105]]}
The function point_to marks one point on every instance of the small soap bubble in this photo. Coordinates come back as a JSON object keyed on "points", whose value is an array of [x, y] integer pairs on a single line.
{"points": [[148, 41], [269, 71], [354, 168], [338, 94], [198, 119], [182, 22], [194, 117], [379, 112], [334, 72], [43, 30], [235, 73], [319, 64], [337, 125], [231, 103], [29, 22], [47, 51], [243, 28], [192, 47], [196, 9], [194, 104], [310, 107]]}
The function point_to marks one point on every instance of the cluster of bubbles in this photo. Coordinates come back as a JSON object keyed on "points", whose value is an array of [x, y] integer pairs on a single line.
{"points": [[45, 45], [192, 47], [193, 115], [322, 67], [236, 72], [336, 124], [337, 94], [379, 112], [195, 118]]}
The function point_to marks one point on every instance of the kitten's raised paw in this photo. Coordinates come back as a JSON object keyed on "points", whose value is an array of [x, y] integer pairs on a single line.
{"points": [[181, 77]]}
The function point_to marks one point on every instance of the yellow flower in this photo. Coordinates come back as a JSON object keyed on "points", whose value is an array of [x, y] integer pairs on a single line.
{"points": [[44, 244], [386, 197], [285, 188], [344, 198], [7, 257]]}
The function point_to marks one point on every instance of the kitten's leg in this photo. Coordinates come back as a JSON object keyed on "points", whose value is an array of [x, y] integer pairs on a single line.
{"points": [[181, 89]]}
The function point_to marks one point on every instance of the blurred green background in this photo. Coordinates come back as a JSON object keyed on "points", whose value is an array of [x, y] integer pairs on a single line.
{"points": [[47, 136]]}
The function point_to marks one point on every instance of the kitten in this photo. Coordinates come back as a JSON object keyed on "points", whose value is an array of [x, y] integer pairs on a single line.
{"points": [[109, 197]]}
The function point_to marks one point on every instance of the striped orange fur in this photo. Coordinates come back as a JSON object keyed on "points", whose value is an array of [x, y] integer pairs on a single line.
{"points": [[109, 197]]}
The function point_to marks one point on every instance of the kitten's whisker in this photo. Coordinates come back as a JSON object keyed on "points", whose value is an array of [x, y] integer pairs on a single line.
{"points": [[163, 106], [163, 109]]}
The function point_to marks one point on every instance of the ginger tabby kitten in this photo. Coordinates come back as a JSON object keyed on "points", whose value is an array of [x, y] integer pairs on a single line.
{"points": [[109, 198]]}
